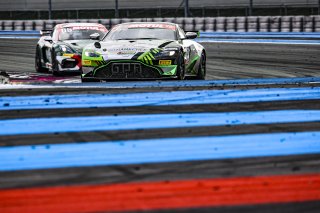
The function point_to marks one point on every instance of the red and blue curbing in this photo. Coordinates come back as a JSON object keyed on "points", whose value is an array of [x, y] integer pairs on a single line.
{"points": [[192, 174]]}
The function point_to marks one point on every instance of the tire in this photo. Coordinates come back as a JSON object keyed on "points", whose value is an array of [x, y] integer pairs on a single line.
{"points": [[55, 66], [37, 63], [181, 67], [201, 75]]}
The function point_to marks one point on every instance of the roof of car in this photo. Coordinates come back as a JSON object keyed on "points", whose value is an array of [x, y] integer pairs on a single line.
{"points": [[148, 23], [76, 24]]}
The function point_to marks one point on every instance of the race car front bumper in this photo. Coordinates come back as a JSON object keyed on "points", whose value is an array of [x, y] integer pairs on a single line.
{"points": [[129, 69], [69, 63]]}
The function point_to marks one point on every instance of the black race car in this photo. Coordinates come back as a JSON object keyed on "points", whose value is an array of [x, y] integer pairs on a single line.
{"points": [[144, 50], [60, 50]]}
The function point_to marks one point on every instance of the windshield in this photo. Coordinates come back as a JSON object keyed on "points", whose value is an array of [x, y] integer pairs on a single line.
{"points": [[80, 33], [135, 32]]}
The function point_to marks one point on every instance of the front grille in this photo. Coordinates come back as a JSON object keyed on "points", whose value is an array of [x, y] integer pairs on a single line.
{"points": [[69, 63], [126, 70], [133, 70]]}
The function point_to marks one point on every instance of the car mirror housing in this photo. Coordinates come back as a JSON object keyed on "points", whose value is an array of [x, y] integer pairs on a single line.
{"points": [[191, 35], [95, 36], [45, 32], [48, 39]]}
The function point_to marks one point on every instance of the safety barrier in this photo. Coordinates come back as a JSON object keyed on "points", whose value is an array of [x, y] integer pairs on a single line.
{"points": [[256, 37], [210, 24], [20, 34]]}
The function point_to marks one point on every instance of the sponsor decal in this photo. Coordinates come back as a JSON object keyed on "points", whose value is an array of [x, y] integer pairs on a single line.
{"points": [[70, 59], [163, 26], [86, 62], [70, 29], [126, 52], [68, 55], [126, 49], [164, 62]]}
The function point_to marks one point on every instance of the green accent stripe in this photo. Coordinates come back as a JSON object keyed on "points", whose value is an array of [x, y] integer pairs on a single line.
{"points": [[149, 59], [151, 56], [192, 63]]}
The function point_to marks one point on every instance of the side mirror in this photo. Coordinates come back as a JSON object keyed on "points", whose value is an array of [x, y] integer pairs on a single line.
{"points": [[48, 39], [191, 35], [45, 32], [95, 36]]}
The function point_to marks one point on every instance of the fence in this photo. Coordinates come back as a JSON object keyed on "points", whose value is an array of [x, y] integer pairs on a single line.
{"points": [[15, 5]]}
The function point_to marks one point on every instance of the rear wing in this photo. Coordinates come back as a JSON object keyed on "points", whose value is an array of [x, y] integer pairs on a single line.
{"points": [[45, 32]]}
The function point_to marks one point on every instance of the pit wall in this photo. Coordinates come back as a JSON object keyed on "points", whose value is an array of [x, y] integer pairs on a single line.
{"points": [[209, 24]]}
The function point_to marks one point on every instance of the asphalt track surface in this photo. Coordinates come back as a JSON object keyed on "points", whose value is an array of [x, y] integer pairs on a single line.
{"points": [[225, 60], [168, 146]]}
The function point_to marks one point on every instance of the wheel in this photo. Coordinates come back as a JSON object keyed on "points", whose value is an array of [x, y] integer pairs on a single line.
{"points": [[202, 68], [38, 65], [181, 67], [55, 66]]}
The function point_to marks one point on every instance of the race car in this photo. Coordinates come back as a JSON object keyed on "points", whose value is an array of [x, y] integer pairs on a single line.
{"points": [[144, 50], [60, 50]]}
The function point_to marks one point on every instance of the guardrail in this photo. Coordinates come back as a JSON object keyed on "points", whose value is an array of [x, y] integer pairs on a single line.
{"points": [[239, 37], [262, 35], [19, 34]]}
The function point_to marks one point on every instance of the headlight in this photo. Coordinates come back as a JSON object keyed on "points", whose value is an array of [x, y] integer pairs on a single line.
{"points": [[66, 49], [167, 52], [171, 53], [171, 49], [91, 54]]}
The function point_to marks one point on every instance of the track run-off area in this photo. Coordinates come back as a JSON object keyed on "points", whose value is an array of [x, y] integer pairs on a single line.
{"points": [[247, 139]]}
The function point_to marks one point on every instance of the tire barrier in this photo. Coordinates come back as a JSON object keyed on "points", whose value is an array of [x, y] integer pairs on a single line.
{"points": [[209, 24]]}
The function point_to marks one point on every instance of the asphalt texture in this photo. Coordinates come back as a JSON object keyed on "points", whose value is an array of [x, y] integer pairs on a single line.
{"points": [[225, 61]]}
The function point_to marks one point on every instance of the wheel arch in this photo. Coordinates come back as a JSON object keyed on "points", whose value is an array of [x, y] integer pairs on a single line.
{"points": [[205, 52]]}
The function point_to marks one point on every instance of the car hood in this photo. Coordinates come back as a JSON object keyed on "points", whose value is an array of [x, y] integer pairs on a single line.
{"points": [[78, 45], [127, 49]]}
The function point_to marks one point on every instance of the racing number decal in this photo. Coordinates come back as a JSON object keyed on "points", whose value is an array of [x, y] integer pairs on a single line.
{"points": [[77, 28], [66, 30]]}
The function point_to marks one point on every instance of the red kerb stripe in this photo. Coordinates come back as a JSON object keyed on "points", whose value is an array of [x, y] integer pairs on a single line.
{"points": [[163, 195]]}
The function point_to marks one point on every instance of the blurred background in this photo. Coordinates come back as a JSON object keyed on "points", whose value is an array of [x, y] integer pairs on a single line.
{"points": [[100, 9]]}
